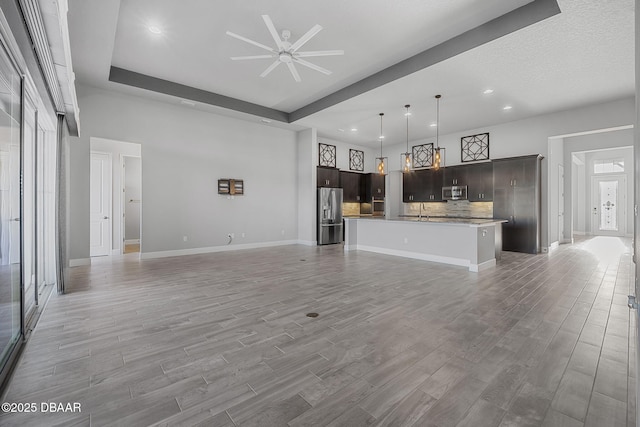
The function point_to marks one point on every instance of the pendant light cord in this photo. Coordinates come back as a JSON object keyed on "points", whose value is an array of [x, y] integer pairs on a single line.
{"points": [[380, 138], [407, 114], [438, 120]]}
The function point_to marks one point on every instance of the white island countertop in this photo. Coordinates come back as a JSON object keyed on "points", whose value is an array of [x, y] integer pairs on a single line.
{"points": [[470, 242], [451, 220]]}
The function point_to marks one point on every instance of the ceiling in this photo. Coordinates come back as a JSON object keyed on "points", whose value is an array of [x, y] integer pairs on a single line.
{"points": [[583, 55]]}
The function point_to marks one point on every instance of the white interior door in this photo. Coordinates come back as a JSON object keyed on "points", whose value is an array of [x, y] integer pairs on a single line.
{"points": [[100, 204], [608, 205], [561, 203]]}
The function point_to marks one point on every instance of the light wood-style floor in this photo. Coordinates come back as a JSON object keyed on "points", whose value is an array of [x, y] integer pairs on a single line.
{"points": [[222, 340]]}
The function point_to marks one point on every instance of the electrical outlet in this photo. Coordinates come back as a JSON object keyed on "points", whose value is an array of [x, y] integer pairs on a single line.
{"points": [[406, 240], [184, 238], [242, 234], [282, 232]]}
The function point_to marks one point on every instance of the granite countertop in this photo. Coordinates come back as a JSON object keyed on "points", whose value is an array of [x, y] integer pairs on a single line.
{"points": [[441, 220]]}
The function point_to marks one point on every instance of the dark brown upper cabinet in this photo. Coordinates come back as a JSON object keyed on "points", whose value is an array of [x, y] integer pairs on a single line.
{"points": [[328, 177], [424, 185], [480, 182], [373, 186], [352, 184]]}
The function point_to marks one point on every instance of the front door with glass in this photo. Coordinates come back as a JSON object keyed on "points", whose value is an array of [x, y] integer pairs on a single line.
{"points": [[608, 205]]}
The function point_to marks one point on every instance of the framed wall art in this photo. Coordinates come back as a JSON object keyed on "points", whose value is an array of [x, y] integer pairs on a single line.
{"points": [[356, 160], [327, 155], [474, 147], [422, 156]]}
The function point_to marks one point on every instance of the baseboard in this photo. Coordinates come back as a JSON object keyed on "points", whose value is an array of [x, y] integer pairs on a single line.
{"points": [[482, 266], [307, 242], [115, 251], [212, 249], [79, 261], [416, 255], [554, 245], [132, 241], [580, 233]]}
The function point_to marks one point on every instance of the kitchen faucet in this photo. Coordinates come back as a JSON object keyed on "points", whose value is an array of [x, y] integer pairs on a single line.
{"points": [[421, 207]]}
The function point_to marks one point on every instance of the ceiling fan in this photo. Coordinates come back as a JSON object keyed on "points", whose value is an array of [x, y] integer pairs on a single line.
{"points": [[285, 51]]}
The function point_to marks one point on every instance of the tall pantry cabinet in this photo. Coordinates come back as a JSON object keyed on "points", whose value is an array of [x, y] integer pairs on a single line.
{"points": [[516, 198]]}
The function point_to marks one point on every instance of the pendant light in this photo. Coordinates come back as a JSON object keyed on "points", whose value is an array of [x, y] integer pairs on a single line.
{"points": [[381, 159], [438, 155], [406, 157]]}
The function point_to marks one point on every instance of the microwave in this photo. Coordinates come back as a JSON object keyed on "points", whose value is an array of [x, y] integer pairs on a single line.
{"points": [[456, 192]]}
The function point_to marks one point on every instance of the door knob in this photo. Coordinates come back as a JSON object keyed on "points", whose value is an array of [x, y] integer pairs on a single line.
{"points": [[106, 217]]}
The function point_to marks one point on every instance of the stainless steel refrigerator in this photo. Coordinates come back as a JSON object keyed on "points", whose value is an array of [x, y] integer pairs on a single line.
{"points": [[329, 216]]}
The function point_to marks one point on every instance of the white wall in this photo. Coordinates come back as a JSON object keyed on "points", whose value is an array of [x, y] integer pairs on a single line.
{"points": [[307, 160], [530, 136], [184, 153], [555, 158], [132, 197]]}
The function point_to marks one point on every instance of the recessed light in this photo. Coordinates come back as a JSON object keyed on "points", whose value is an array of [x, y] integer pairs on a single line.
{"points": [[433, 125], [381, 137], [189, 103], [354, 130], [340, 130], [507, 107], [488, 92], [265, 121], [154, 29], [407, 114]]}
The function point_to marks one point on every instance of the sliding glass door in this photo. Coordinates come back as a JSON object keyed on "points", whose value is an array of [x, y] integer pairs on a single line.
{"points": [[28, 209], [10, 210]]}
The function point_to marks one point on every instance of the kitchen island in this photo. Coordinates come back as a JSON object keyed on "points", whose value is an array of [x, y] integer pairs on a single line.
{"points": [[469, 242]]}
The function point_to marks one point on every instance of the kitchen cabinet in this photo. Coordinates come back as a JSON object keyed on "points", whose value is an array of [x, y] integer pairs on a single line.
{"points": [[328, 177], [352, 186], [455, 175], [516, 198], [424, 185], [373, 186], [480, 182]]}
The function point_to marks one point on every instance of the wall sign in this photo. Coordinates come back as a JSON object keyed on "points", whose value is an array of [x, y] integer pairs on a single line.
{"points": [[422, 155], [327, 155], [474, 147], [231, 186], [356, 160]]}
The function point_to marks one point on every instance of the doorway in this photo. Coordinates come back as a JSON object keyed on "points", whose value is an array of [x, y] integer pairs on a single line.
{"points": [[113, 163], [608, 205], [131, 204]]}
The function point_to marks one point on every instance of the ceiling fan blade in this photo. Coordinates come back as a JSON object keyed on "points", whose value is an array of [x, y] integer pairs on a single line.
{"points": [[272, 30], [240, 58], [305, 38], [294, 72], [312, 66], [270, 68], [244, 39], [320, 53]]}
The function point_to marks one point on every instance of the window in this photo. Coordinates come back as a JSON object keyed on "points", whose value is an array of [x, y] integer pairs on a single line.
{"points": [[608, 166]]}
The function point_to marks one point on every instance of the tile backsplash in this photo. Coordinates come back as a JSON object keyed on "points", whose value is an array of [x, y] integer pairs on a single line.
{"points": [[452, 208], [350, 209]]}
